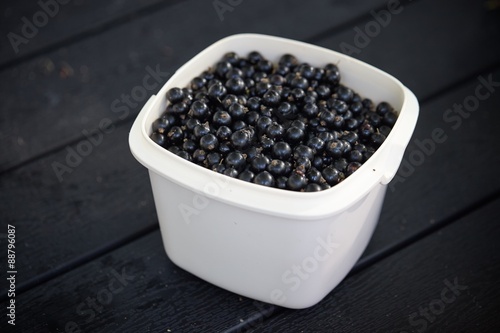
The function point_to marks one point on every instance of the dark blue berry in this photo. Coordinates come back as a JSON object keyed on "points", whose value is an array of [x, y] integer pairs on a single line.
{"points": [[266, 143], [184, 154], [158, 138], [303, 151], [201, 130], [199, 156], [281, 150], [199, 110], [175, 95], [294, 134], [383, 108], [241, 139], [260, 163], [198, 83], [221, 118], [231, 172], [254, 57], [224, 133], [275, 131], [310, 110], [209, 142], [263, 123], [316, 144], [189, 146], [377, 139], [296, 181], [355, 156], [332, 175], [213, 158], [217, 91], [390, 119], [344, 94], [385, 130], [276, 167], [264, 178], [334, 148], [271, 98], [246, 175], [235, 159], [352, 167], [288, 60], [252, 117], [225, 147], [235, 85], [161, 125], [175, 135], [313, 187]]}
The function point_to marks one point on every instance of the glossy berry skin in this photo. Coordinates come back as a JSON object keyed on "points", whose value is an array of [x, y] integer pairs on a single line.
{"points": [[199, 110], [175, 95], [241, 139], [235, 160], [352, 167], [296, 182], [334, 148], [277, 168], [158, 138], [264, 178], [221, 118], [175, 135], [271, 98], [281, 150], [246, 175], [235, 85], [217, 91], [313, 187], [260, 163], [209, 142], [213, 158], [332, 175], [231, 172]]}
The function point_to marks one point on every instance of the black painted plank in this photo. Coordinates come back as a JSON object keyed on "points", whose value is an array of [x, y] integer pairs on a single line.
{"points": [[28, 27], [71, 89], [103, 201], [438, 180], [426, 45], [447, 282], [151, 295]]}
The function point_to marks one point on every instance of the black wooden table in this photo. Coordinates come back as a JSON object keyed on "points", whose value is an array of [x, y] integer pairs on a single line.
{"points": [[88, 251]]}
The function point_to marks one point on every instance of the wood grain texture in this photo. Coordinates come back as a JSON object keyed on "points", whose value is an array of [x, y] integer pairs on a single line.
{"points": [[152, 295], [410, 284], [65, 23], [428, 45]]}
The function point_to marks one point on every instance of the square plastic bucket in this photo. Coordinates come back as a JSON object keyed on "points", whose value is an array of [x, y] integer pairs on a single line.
{"points": [[277, 246]]}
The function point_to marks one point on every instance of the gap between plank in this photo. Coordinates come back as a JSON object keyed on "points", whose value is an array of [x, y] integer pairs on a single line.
{"points": [[80, 261], [98, 29]]}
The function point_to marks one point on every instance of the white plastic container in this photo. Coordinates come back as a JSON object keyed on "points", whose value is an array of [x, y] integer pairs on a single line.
{"points": [[277, 246]]}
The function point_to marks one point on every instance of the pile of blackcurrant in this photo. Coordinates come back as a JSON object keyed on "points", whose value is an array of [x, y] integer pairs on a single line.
{"points": [[287, 125]]}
